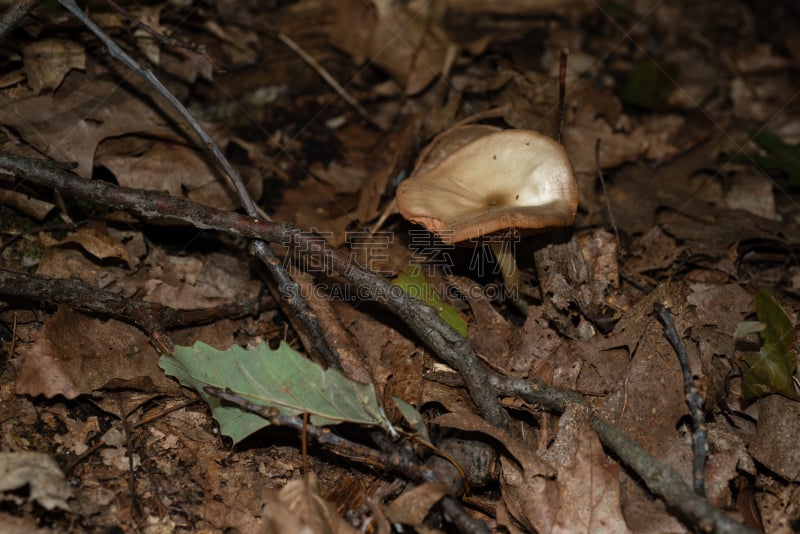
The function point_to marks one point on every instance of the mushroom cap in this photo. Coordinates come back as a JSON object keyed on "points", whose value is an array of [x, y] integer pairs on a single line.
{"points": [[507, 179]]}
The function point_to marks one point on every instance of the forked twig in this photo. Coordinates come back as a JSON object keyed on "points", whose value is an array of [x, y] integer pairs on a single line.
{"points": [[452, 348], [693, 400], [288, 287]]}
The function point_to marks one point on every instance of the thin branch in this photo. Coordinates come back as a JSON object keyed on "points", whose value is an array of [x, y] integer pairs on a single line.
{"points": [[391, 458], [325, 75], [603, 185], [15, 13], [151, 317], [166, 39], [286, 285], [693, 400], [120, 55], [449, 345], [661, 479], [562, 89]]}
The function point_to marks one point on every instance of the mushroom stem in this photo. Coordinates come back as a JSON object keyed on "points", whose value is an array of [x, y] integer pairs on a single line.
{"points": [[511, 278]]}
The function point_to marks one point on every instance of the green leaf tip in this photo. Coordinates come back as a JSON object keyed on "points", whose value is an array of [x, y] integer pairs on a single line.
{"points": [[414, 284]]}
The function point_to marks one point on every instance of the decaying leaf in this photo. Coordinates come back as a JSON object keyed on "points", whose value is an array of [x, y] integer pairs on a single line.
{"points": [[413, 506], [299, 508], [40, 473], [74, 354], [48, 61]]}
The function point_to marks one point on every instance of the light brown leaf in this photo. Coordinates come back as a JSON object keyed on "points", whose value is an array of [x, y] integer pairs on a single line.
{"points": [[68, 124], [74, 354], [412, 507], [47, 62], [588, 483]]}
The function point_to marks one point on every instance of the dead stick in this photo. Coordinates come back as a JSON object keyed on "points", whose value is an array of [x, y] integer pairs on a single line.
{"points": [[661, 479], [393, 458], [693, 400], [286, 285], [151, 317], [14, 14], [449, 345]]}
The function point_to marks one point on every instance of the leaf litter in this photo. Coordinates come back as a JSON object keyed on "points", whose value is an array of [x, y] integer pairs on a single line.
{"points": [[705, 211]]}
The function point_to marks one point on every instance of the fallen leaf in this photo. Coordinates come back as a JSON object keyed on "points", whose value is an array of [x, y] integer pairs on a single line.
{"points": [[301, 509], [74, 354], [68, 124], [47, 62], [413, 506], [588, 483], [38, 472]]}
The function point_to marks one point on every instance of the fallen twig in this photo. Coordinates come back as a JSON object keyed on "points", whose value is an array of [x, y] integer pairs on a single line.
{"points": [[449, 345], [286, 285], [661, 479], [152, 317], [395, 457], [15, 13], [693, 400]]}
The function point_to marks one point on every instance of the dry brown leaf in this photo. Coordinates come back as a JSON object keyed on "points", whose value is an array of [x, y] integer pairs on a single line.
{"points": [[588, 483], [531, 501], [649, 403], [343, 179], [68, 124], [775, 440], [300, 508], [47, 62], [413, 506], [75, 355], [38, 209], [532, 345], [723, 306], [178, 170], [96, 241], [752, 191], [532, 465], [404, 39]]}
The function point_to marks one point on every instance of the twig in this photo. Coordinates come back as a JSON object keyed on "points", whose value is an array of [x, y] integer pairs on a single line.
{"points": [[120, 55], [12, 17], [325, 75], [166, 39], [661, 479], [151, 317], [693, 400], [99, 444], [391, 458], [603, 185], [339, 445], [449, 345], [286, 285], [562, 89]]}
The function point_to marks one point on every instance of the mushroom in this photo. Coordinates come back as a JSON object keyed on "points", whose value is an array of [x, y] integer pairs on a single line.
{"points": [[500, 181]]}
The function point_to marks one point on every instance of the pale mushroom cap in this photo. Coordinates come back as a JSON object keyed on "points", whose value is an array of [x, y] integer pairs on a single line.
{"points": [[508, 179]]}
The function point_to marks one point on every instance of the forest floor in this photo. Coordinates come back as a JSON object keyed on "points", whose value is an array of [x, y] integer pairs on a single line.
{"points": [[688, 209]]}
